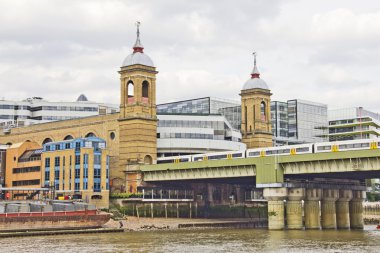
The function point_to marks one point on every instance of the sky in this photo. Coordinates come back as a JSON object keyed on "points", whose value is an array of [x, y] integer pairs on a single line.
{"points": [[326, 51]]}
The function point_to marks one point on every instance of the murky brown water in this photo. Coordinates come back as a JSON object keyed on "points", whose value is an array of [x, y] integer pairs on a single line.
{"points": [[209, 240]]}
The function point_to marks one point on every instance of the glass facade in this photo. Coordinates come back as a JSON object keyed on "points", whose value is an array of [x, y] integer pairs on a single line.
{"points": [[307, 121], [279, 119], [353, 123], [201, 106]]}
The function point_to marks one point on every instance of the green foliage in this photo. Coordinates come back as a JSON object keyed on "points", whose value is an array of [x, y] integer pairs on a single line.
{"points": [[125, 195], [373, 196]]}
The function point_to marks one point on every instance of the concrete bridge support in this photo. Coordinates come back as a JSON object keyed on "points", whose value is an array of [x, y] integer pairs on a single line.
{"points": [[294, 208], [328, 210], [311, 208], [356, 210], [276, 197], [210, 191], [342, 209]]}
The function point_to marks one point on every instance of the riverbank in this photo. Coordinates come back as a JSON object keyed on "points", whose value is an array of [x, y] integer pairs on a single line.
{"points": [[143, 224]]}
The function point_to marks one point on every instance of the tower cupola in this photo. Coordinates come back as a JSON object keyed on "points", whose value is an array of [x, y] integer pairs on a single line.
{"points": [[255, 82]]}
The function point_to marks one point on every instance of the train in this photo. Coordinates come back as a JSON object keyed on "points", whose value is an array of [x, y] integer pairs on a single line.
{"points": [[321, 147]]}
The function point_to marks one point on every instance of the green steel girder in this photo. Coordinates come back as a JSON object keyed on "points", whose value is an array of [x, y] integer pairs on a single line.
{"points": [[269, 169]]}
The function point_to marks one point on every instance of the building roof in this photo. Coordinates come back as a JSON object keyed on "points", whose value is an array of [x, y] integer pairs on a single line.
{"points": [[255, 82], [82, 98], [138, 56]]}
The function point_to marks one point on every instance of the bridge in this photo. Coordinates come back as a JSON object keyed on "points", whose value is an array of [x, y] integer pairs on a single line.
{"points": [[330, 184]]}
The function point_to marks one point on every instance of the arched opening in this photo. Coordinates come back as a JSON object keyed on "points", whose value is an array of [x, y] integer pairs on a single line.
{"points": [[145, 92], [148, 159], [262, 111], [9, 144], [90, 134], [112, 135], [130, 92], [96, 197], [68, 137], [47, 140]]}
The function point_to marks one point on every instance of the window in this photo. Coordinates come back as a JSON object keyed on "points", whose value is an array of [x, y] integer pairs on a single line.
{"points": [[57, 161], [97, 159], [77, 159], [47, 162], [262, 111]]}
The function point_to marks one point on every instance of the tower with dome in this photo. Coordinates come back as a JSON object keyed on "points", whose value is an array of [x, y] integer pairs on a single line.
{"points": [[137, 118], [255, 108]]}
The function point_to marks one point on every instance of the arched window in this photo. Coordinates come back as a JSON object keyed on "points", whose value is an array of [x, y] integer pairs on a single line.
{"points": [[68, 137], [47, 140], [148, 159], [130, 92], [145, 92], [262, 111], [90, 134]]}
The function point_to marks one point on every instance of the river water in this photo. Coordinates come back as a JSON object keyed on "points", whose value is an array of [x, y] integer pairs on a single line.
{"points": [[205, 240]]}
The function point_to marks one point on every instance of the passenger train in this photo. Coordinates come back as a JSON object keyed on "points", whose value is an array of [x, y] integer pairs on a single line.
{"points": [[321, 147]]}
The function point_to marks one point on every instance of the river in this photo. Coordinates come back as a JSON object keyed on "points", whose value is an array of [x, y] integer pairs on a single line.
{"points": [[202, 240]]}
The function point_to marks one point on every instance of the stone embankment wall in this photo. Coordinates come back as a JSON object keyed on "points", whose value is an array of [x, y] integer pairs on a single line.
{"points": [[48, 222]]}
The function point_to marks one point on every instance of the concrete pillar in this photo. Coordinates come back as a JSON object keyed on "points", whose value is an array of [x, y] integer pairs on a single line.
{"points": [[311, 208], [294, 208], [328, 210], [210, 197], [238, 194], [342, 209], [356, 210], [276, 197]]}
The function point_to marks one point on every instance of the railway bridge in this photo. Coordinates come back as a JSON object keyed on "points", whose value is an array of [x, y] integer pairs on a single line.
{"points": [[328, 188]]}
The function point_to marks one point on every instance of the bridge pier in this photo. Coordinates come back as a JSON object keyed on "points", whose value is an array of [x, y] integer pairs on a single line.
{"points": [[276, 197], [328, 210], [210, 191], [294, 208], [356, 210], [342, 209], [311, 208]]}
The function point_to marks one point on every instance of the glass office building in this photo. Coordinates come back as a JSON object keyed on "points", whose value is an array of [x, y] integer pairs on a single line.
{"points": [[307, 121], [205, 106]]}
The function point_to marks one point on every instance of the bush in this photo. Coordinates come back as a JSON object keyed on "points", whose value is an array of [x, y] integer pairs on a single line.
{"points": [[125, 195]]}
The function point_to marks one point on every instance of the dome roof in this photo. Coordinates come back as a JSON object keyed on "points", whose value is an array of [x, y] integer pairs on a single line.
{"points": [[138, 58], [255, 83], [82, 98]]}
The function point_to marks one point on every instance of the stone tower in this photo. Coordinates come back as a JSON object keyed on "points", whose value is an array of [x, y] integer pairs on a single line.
{"points": [[255, 111], [138, 119]]}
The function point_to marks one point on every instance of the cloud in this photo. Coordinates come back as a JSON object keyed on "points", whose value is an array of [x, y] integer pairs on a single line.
{"points": [[322, 51]]}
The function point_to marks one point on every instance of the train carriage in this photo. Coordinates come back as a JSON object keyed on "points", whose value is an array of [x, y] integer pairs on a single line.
{"points": [[346, 145], [219, 156], [174, 159]]}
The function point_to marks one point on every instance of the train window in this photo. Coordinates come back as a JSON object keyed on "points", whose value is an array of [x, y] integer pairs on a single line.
{"points": [[283, 151], [198, 159], [304, 149], [271, 152], [365, 145], [184, 160], [165, 161], [217, 157], [324, 148], [257, 153], [237, 155], [342, 146]]}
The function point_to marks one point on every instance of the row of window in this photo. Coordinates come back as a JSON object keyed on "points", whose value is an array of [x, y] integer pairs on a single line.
{"points": [[191, 124], [64, 108], [15, 107], [26, 182], [26, 169], [185, 136]]}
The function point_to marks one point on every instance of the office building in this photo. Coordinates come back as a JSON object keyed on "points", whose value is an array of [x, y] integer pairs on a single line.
{"points": [[78, 168], [37, 110], [352, 124]]}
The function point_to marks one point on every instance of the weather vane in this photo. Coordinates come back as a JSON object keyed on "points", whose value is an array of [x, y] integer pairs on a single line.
{"points": [[254, 55]]}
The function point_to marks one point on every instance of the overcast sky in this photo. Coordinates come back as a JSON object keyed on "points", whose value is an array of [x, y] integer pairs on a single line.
{"points": [[325, 51]]}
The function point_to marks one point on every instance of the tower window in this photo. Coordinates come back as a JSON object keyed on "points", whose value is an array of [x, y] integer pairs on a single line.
{"points": [[130, 92], [262, 111], [145, 91]]}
